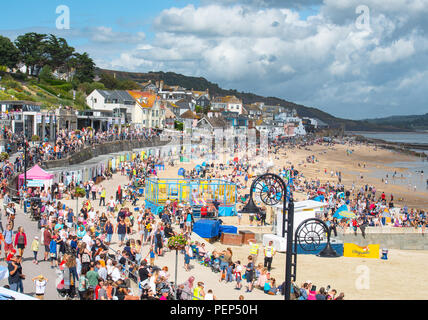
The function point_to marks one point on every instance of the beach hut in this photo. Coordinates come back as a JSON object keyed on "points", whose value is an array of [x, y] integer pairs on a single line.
{"points": [[36, 177]]}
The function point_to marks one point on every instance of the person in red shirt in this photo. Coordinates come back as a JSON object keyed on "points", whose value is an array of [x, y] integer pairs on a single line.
{"points": [[21, 240], [204, 212]]}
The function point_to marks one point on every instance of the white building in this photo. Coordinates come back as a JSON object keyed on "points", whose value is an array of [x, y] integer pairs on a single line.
{"points": [[118, 101], [227, 103]]}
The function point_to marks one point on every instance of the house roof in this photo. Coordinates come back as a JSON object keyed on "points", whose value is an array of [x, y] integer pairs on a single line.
{"points": [[183, 103], [169, 114], [120, 95], [189, 114], [227, 99], [143, 99], [216, 122]]}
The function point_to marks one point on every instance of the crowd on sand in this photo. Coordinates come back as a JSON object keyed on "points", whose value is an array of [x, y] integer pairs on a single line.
{"points": [[78, 245]]}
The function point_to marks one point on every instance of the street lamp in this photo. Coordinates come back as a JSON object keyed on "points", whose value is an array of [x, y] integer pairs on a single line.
{"points": [[54, 122], [271, 189]]}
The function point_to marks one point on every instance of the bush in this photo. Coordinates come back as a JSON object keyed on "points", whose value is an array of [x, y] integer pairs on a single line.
{"points": [[35, 138], [79, 192], [46, 73], [4, 156], [12, 84], [65, 87], [56, 82], [20, 76]]}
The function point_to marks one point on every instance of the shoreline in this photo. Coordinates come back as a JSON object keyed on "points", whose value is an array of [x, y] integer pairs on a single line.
{"points": [[391, 145]]}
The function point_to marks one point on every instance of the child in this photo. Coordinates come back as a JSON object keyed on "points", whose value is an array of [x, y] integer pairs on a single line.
{"points": [[229, 272], [238, 275], [53, 252], [40, 282], [152, 256], [35, 248]]}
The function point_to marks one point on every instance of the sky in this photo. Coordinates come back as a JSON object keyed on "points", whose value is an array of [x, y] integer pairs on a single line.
{"points": [[354, 59]]}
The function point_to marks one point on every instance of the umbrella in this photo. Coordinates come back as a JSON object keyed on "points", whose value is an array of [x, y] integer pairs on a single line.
{"points": [[235, 159], [346, 214], [341, 208], [341, 194], [321, 190], [181, 172], [204, 164]]}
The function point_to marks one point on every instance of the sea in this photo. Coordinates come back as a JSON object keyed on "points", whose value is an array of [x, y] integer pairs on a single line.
{"points": [[416, 174]]}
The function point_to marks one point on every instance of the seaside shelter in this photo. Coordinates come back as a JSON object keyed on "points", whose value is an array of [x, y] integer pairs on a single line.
{"points": [[196, 192]]}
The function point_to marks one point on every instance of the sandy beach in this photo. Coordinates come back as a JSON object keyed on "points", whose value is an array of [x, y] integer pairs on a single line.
{"points": [[381, 278]]}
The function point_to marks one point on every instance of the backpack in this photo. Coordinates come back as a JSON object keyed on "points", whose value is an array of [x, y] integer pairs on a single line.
{"points": [[85, 258]]}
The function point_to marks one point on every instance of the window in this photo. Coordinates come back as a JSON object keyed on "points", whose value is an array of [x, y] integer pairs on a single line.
{"points": [[153, 123], [157, 113], [153, 113]]}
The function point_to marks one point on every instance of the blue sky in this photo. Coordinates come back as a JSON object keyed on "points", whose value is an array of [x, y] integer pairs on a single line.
{"points": [[311, 52]]}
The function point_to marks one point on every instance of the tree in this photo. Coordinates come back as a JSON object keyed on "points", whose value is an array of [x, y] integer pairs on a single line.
{"points": [[109, 81], [89, 87], [46, 73], [58, 52], [128, 85], [9, 54], [33, 54], [84, 66]]}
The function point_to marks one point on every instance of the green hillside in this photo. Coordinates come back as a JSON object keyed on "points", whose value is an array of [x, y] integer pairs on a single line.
{"points": [[413, 122], [50, 93]]}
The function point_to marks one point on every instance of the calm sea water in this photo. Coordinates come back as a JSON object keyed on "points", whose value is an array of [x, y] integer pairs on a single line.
{"points": [[404, 137], [417, 173]]}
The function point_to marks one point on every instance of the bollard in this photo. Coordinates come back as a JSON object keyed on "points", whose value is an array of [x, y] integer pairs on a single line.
{"points": [[384, 254]]}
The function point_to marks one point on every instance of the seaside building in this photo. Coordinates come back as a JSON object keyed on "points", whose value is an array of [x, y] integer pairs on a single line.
{"points": [[227, 103], [141, 109]]}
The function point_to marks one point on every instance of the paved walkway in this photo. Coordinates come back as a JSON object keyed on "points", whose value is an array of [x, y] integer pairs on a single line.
{"points": [[201, 273]]}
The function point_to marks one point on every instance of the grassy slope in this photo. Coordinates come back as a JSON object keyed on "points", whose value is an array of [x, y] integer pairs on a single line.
{"points": [[49, 95]]}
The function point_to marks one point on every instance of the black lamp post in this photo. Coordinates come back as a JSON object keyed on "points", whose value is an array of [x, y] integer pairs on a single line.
{"points": [[271, 188]]}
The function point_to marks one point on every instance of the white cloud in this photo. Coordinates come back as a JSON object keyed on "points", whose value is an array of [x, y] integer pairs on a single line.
{"points": [[398, 50], [324, 61]]}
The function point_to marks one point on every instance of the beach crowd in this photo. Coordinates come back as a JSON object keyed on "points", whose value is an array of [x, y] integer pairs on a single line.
{"points": [[78, 245]]}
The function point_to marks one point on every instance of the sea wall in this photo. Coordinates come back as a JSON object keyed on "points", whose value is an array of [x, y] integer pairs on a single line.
{"points": [[102, 149], [389, 238], [402, 241]]}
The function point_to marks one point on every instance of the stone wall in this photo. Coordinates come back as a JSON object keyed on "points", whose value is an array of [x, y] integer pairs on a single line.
{"points": [[402, 241], [102, 149]]}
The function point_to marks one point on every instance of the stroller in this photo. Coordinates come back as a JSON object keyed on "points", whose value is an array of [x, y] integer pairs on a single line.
{"points": [[66, 293], [215, 264]]}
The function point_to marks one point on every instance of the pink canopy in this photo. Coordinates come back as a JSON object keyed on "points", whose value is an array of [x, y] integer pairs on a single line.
{"points": [[37, 173]]}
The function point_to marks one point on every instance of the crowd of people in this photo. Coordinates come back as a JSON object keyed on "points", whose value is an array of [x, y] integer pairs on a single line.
{"points": [[78, 245]]}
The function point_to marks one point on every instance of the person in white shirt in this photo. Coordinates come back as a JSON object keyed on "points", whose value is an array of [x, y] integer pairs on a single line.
{"points": [[115, 274], [40, 282], [210, 295], [88, 240]]}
